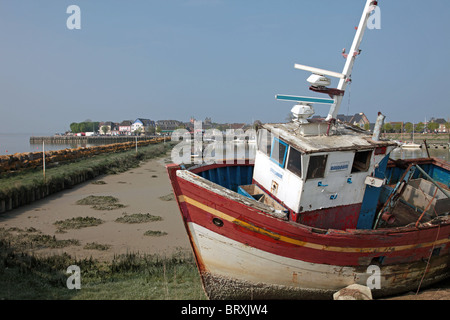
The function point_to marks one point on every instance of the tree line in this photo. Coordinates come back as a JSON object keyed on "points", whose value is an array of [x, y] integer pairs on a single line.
{"points": [[86, 126], [408, 127]]}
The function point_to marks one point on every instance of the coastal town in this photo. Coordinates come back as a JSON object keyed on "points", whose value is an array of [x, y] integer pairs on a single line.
{"points": [[145, 126]]}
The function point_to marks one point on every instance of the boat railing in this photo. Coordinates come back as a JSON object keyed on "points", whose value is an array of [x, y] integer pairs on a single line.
{"points": [[230, 194]]}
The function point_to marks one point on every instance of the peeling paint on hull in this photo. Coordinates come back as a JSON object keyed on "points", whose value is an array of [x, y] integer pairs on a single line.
{"points": [[232, 270], [246, 251]]}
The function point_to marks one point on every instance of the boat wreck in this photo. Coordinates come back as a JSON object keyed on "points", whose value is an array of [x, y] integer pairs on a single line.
{"points": [[321, 208]]}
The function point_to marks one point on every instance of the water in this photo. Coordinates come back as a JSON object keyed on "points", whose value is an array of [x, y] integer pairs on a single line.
{"points": [[399, 153], [11, 143]]}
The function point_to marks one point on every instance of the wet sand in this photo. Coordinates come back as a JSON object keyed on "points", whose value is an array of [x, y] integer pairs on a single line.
{"points": [[139, 189]]}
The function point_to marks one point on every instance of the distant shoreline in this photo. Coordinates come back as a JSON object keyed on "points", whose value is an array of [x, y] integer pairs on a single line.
{"points": [[11, 143], [87, 139]]}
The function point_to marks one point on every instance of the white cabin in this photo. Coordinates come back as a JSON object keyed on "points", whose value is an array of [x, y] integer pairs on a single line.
{"points": [[310, 172]]}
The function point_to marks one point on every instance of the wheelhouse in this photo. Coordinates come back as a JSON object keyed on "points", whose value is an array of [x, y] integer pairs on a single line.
{"points": [[311, 174]]}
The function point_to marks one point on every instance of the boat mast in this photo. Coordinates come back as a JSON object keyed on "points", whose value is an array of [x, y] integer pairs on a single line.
{"points": [[319, 83], [351, 57]]}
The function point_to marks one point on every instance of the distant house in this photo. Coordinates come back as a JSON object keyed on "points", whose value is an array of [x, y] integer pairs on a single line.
{"points": [[105, 127], [236, 126], [358, 119], [344, 118], [396, 123], [115, 129], [125, 127], [168, 125], [441, 128], [141, 125]]}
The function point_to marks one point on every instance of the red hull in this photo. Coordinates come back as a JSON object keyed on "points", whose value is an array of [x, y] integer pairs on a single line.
{"points": [[347, 248]]}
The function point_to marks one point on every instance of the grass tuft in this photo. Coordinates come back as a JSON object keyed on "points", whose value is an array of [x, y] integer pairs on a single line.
{"points": [[101, 202], [98, 182], [152, 233], [168, 197], [77, 223], [138, 218], [96, 246], [33, 239]]}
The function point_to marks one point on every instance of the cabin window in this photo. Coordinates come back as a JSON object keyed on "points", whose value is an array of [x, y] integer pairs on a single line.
{"points": [[264, 142], [295, 162], [279, 151], [316, 168], [361, 163]]}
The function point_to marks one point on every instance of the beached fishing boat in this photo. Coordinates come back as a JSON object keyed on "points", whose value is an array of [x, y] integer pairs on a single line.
{"points": [[321, 207]]}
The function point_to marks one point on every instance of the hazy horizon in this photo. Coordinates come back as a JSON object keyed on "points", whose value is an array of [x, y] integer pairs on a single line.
{"points": [[224, 59]]}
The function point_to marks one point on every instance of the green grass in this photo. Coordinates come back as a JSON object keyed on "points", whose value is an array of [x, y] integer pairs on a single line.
{"points": [[168, 197], [95, 200], [152, 233], [101, 202], [131, 276], [77, 223], [24, 276], [138, 218], [28, 239], [18, 183], [98, 182], [96, 246]]}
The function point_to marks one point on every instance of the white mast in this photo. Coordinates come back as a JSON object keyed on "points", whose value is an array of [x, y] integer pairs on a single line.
{"points": [[319, 83], [353, 53]]}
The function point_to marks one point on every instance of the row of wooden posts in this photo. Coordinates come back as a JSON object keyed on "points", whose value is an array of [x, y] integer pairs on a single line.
{"points": [[21, 161], [17, 162]]}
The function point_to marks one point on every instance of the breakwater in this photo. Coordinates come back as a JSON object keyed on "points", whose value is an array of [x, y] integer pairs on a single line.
{"points": [[22, 180], [97, 140], [21, 161]]}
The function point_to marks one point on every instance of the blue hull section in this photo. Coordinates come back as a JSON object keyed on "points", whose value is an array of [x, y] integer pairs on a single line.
{"points": [[371, 197], [393, 174], [230, 177], [438, 174]]}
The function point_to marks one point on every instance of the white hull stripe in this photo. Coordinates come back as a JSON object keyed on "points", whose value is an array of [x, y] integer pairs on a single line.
{"points": [[223, 257]]}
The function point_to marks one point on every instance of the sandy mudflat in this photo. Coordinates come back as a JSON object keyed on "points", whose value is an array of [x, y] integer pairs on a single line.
{"points": [[139, 189]]}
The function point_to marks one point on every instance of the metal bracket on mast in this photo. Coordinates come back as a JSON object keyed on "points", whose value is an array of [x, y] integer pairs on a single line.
{"points": [[320, 71]]}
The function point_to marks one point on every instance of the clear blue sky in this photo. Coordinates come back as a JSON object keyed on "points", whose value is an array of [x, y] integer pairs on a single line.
{"points": [[225, 59]]}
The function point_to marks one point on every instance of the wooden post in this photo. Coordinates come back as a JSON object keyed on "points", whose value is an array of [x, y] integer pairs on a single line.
{"points": [[43, 158], [426, 147]]}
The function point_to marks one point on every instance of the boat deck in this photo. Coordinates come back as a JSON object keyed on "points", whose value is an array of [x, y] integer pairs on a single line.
{"points": [[404, 216], [409, 209]]}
